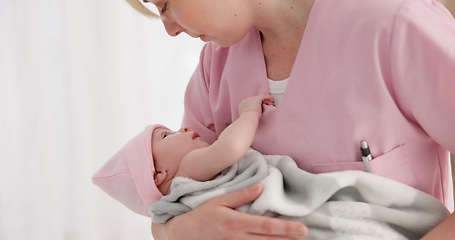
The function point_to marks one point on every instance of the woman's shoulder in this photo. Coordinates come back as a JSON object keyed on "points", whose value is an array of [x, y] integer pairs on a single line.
{"points": [[372, 17], [381, 10], [360, 10]]}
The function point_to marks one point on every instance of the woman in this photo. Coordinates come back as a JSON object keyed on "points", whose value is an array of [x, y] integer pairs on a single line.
{"points": [[351, 69]]}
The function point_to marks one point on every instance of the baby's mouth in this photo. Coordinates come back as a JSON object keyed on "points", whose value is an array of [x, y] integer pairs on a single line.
{"points": [[195, 135]]}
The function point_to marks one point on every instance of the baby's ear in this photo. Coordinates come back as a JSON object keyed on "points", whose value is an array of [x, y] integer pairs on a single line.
{"points": [[160, 176]]}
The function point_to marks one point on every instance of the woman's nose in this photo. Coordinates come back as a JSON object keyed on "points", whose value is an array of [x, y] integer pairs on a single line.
{"points": [[172, 28]]}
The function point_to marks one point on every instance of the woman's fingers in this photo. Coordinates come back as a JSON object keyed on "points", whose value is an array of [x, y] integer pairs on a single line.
{"points": [[258, 226], [239, 198], [266, 226]]}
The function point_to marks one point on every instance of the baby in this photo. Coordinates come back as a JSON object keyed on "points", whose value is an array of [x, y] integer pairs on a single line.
{"points": [[341, 205], [142, 171]]}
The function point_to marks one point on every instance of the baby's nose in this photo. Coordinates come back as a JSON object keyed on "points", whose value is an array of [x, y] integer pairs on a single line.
{"points": [[184, 129]]}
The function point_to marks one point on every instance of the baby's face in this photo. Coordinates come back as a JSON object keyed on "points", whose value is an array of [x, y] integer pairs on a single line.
{"points": [[169, 148]]}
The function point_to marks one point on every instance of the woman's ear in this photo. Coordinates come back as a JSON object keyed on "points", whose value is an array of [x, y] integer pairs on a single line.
{"points": [[160, 176]]}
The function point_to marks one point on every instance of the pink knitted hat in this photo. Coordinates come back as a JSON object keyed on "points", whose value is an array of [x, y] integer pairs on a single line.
{"points": [[128, 175]]}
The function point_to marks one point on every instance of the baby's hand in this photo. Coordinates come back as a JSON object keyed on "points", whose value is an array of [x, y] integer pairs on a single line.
{"points": [[254, 104]]}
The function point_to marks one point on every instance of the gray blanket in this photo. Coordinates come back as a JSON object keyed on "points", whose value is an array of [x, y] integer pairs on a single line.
{"points": [[339, 205]]}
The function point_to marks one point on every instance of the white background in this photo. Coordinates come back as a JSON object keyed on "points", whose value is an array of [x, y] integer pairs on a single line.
{"points": [[78, 78]]}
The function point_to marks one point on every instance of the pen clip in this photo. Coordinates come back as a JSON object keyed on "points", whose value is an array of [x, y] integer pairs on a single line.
{"points": [[366, 155]]}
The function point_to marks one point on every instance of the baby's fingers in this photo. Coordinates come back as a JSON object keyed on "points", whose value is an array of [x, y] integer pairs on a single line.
{"points": [[266, 99]]}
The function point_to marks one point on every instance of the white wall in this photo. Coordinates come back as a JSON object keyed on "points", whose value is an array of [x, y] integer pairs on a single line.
{"points": [[77, 80]]}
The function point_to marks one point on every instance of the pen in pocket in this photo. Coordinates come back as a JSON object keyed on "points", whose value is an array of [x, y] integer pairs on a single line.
{"points": [[366, 155]]}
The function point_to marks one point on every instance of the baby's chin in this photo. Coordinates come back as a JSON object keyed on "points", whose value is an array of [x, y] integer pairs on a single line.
{"points": [[203, 144]]}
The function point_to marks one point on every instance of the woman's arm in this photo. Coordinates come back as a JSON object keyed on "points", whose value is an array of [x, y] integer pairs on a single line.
{"points": [[444, 231], [216, 219]]}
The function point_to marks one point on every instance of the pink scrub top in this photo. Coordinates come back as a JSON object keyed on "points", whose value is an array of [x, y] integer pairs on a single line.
{"points": [[380, 71]]}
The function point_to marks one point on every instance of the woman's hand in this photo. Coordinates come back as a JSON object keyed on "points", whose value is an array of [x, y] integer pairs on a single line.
{"points": [[216, 219]]}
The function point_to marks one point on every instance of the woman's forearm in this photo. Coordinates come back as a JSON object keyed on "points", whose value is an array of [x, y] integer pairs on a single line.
{"points": [[444, 231], [158, 231]]}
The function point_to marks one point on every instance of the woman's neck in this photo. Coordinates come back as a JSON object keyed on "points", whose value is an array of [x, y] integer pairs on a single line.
{"points": [[282, 20], [282, 24]]}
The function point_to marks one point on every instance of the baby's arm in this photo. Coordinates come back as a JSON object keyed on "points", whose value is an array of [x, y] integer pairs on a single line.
{"points": [[205, 163]]}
